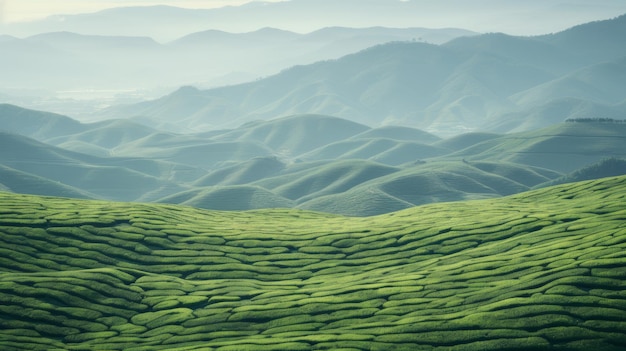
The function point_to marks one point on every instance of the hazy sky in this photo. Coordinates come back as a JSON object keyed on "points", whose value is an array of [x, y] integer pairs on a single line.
{"points": [[23, 10], [527, 17]]}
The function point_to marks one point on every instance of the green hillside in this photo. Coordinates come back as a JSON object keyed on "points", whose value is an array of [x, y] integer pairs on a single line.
{"points": [[36, 124], [609, 167], [25, 183], [107, 134], [398, 133], [229, 198], [121, 179], [207, 155], [388, 151], [425, 183], [553, 112], [332, 178], [462, 141], [528, 176], [563, 147], [535, 271], [91, 138], [294, 135], [312, 162], [243, 172]]}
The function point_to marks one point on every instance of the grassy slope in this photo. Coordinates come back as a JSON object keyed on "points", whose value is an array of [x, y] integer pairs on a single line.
{"points": [[360, 187], [25, 183], [207, 155], [92, 138], [122, 179], [229, 198], [297, 134], [398, 133], [36, 124], [332, 178], [609, 167], [564, 147], [531, 271], [107, 134], [422, 184], [389, 151], [243, 172], [465, 140], [159, 165]]}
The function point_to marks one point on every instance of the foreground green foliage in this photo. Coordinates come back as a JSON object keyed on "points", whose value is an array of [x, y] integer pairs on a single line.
{"points": [[538, 270]]}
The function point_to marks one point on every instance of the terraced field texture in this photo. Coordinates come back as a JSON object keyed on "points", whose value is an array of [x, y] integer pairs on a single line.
{"points": [[535, 271]]}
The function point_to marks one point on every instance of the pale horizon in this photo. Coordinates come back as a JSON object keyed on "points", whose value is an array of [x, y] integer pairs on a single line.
{"points": [[15, 11], [528, 18]]}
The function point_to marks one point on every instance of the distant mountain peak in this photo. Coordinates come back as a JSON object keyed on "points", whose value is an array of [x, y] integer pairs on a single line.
{"points": [[187, 89]]}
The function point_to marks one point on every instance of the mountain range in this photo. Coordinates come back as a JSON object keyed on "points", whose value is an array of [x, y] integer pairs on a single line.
{"points": [[77, 73], [491, 82], [305, 16], [314, 162]]}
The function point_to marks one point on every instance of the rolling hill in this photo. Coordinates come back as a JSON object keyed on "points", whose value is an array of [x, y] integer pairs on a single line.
{"points": [[243, 172], [383, 150], [535, 271], [230, 198], [352, 177], [98, 138], [398, 133], [107, 135], [418, 185], [328, 178], [39, 125], [124, 179], [25, 183], [313, 162], [554, 112], [294, 135], [563, 147], [608, 167]]}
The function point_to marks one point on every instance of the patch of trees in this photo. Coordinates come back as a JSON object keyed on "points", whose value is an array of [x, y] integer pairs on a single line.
{"points": [[596, 120]]}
